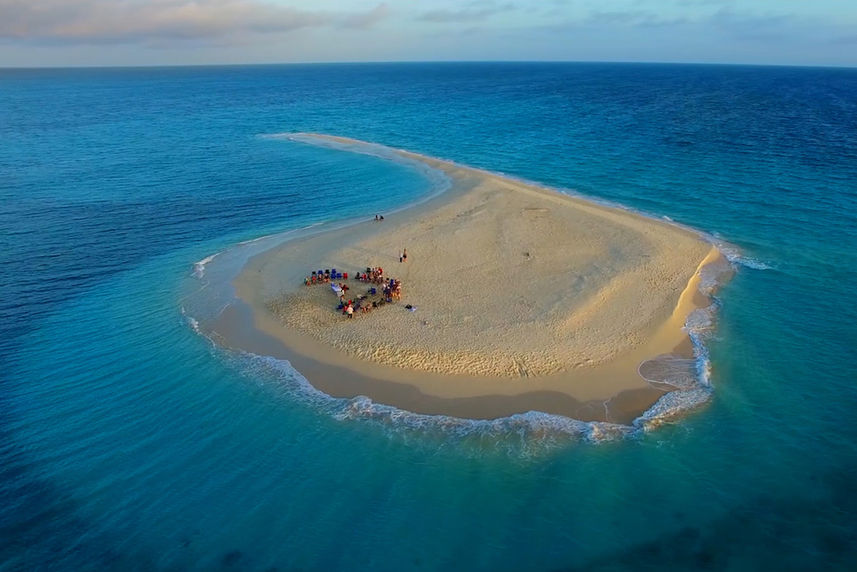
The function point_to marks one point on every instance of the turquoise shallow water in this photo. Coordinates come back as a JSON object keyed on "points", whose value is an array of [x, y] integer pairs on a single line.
{"points": [[127, 441]]}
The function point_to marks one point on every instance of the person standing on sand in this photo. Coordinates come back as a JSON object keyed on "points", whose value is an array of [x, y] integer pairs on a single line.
{"points": [[404, 255]]}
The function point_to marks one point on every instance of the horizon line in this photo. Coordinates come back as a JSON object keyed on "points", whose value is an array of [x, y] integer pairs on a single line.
{"points": [[412, 62]]}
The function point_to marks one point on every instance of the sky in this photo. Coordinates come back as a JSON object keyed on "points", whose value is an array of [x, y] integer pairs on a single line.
{"points": [[187, 32]]}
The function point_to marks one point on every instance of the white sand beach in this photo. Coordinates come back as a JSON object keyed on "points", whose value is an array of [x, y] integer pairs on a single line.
{"points": [[525, 298]]}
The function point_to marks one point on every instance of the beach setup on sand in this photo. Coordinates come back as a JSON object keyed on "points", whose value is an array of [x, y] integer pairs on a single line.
{"points": [[517, 298], [381, 291]]}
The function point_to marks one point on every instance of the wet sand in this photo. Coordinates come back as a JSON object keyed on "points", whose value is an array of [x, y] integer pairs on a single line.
{"points": [[527, 299]]}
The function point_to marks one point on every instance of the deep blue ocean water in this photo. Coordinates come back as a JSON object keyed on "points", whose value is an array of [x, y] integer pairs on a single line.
{"points": [[128, 441]]}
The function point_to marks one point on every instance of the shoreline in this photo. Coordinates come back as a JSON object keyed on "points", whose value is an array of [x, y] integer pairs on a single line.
{"points": [[633, 269]]}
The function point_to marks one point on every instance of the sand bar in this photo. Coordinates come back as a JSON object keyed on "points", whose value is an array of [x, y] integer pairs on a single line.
{"points": [[527, 299]]}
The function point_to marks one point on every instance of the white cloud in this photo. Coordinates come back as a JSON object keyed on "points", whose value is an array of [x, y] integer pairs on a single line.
{"points": [[88, 21], [471, 12], [367, 19]]}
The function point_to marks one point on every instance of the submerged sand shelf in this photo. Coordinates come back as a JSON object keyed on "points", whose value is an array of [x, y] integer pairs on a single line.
{"points": [[518, 289]]}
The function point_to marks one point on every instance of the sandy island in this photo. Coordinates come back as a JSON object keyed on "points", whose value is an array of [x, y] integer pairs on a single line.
{"points": [[527, 299]]}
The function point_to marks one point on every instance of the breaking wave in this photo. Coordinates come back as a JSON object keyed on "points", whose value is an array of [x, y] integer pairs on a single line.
{"points": [[520, 435], [736, 256]]}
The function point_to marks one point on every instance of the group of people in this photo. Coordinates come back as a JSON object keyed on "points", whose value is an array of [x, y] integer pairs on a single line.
{"points": [[392, 290], [389, 289], [372, 275]]}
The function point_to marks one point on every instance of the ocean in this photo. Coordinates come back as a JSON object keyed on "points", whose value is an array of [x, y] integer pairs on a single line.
{"points": [[130, 441]]}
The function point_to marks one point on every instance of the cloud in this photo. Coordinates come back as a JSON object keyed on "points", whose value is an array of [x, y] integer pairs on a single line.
{"points": [[93, 21], [635, 18], [474, 12], [367, 19], [724, 21], [752, 27]]}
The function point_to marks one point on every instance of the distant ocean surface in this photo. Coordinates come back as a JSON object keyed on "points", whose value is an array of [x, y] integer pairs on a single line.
{"points": [[129, 441]]}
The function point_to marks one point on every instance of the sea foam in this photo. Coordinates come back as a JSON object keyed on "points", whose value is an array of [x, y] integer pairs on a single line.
{"points": [[199, 267], [520, 435]]}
